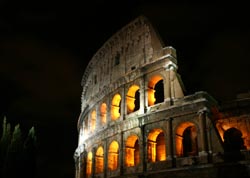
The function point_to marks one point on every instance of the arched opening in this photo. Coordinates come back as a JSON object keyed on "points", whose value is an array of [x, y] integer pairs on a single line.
{"points": [[186, 140], [103, 113], [242, 125], [189, 141], [233, 143], [113, 156], [156, 146], [159, 92], [137, 100], [233, 140], [116, 107], [89, 164], [132, 151], [93, 120], [133, 99], [99, 161], [155, 90]]}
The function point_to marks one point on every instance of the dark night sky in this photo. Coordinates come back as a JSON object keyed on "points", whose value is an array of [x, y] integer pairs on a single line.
{"points": [[46, 45]]}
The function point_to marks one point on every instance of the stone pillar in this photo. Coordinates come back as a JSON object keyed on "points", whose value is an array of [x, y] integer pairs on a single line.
{"points": [[143, 149], [93, 162], [203, 152], [142, 96], [121, 154], [82, 163], [170, 142], [145, 91], [77, 166], [108, 118], [169, 90], [105, 157]]}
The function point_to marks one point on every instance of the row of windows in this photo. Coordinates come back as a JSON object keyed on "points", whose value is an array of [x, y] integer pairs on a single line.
{"points": [[186, 145], [185, 142], [155, 95]]}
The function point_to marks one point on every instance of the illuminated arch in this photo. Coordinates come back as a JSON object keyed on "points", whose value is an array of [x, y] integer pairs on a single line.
{"points": [[223, 125], [93, 120], [99, 160], [116, 107], [103, 113], [89, 164], [186, 139], [155, 90], [133, 99], [156, 146], [113, 156], [132, 151]]}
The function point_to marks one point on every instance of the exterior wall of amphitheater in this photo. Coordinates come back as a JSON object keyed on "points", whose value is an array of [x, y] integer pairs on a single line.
{"points": [[135, 119]]}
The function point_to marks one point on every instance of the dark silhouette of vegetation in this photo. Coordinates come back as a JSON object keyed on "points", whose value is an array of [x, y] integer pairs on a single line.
{"points": [[17, 153]]}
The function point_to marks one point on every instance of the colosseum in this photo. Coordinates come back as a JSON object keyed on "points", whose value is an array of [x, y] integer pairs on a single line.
{"points": [[135, 120]]}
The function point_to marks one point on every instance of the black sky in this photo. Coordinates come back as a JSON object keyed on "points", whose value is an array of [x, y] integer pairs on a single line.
{"points": [[46, 45]]}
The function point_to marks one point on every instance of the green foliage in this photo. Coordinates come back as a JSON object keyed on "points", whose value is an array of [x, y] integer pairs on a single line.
{"points": [[17, 154]]}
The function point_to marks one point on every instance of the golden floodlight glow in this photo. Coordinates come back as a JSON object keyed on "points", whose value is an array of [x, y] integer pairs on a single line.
{"points": [[179, 137], [223, 125], [131, 98], [156, 146], [99, 161], [115, 108], [151, 91], [103, 112], [113, 156], [93, 121], [89, 164], [132, 151]]}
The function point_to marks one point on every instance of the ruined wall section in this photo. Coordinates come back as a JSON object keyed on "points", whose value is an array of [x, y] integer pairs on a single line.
{"points": [[134, 46]]}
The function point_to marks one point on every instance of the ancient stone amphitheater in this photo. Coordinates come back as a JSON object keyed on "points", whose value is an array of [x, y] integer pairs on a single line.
{"points": [[135, 120]]}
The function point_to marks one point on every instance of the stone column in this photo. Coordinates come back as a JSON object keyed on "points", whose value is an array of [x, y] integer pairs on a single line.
{"points": [[121, 155], [82, 163], [203, 134], [170, 140], [169, 82], [108, 117], [77, 166], [93, 162], [143, 149], [142, 96], [105, 157], [123, 105], [145, 91]]}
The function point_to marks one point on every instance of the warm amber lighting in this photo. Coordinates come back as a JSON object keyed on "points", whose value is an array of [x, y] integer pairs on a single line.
{"points": [[89, 164], [99, 160], [115, 108], [179, 137], [132, 151], [93, 121], [103, 113], [151, 97], [113, 156], [241, 125], [151, 89], [156, 146], [131, 98]]}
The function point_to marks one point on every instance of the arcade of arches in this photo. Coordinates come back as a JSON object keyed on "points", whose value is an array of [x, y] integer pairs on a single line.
{"points": [[135, 120], [155, 94]]}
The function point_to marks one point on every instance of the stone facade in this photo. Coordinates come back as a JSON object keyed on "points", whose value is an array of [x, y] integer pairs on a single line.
{"points": [[136, 122]]}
